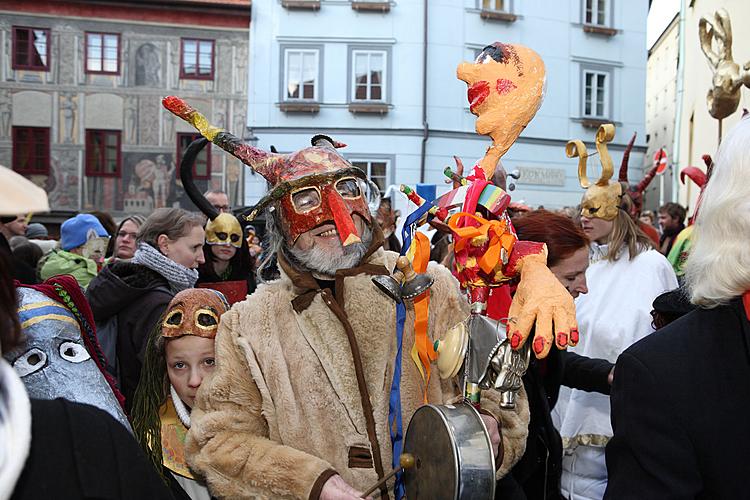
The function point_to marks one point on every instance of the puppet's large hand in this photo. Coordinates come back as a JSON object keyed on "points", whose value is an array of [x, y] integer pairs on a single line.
{"points": [[542, 300]]}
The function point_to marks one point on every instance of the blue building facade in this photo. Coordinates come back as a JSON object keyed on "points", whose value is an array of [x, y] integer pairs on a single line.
{"points": [[381, 77]]}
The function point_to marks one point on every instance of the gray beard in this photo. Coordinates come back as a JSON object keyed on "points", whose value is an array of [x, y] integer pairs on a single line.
{"points": [[318, 261]]}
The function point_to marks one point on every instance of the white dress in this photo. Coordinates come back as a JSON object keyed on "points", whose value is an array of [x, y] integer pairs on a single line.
{"points": [[614, 314]]}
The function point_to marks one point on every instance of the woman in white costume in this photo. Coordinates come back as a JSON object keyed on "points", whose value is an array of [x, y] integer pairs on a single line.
{"points": [[624, 277]]}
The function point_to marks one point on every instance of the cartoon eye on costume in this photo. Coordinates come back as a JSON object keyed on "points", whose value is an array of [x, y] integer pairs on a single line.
{"points": [[348, 187], [29, 362], [306, 199], [206, 319], [173, 319], [74, 352]]}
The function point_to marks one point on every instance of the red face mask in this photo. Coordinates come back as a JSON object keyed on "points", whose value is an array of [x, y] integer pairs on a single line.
{"points": [[308, 207]]}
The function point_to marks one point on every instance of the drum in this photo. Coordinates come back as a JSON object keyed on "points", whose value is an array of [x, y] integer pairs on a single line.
{"points": [[452, 453]]}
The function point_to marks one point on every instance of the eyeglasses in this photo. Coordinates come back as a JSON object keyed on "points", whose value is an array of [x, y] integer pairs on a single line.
{"points": [[222, 208], [308, 198], [123, 234]]}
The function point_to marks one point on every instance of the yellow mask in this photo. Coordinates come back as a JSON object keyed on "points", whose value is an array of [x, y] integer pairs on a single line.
{"points": [[601, 200], [224, 230]]}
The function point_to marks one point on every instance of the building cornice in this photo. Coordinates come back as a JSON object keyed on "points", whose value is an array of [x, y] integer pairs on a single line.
{"points": [[198, 14], [418, 132]]}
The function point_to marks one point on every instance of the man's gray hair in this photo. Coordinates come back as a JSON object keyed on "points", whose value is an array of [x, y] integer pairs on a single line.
{"points": [[718, 267], [313, 260], [215, 191]]}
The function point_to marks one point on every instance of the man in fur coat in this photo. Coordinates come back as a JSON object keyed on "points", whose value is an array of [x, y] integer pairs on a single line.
{"points": [[298, 404]]}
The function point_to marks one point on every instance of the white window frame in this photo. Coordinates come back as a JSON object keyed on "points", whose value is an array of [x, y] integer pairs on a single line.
{"points": [[316, 89], [383, 77], [595, 12], [507, 5], [607, 89], [369, 161]]}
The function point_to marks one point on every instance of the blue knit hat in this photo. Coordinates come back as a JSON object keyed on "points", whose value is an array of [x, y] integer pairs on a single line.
{"points": [[74, 232]]}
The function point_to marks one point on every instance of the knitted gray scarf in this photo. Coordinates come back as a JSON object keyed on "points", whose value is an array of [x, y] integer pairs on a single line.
{"points": [[179, 277]]}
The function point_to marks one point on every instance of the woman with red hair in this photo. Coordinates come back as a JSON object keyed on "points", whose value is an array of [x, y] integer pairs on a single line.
{"points": [[538, 473]]}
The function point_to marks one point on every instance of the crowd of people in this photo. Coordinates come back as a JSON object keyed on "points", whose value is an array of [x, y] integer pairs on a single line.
{"points": [[174, 356]]}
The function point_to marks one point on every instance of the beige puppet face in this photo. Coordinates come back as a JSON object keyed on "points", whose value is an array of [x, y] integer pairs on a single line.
{"points": [[506, 87]]}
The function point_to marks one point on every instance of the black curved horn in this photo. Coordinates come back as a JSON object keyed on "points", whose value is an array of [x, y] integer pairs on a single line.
{"points": [[186, 176]]}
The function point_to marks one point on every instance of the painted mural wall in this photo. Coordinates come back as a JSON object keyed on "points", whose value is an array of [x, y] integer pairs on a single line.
{"points": [[71, 101]]}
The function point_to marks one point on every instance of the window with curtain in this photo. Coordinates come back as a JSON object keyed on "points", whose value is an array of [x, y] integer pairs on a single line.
{"points": [[301, 74], [595, 12], [377, 170], [595, 94], [368, 75], [197, 61], [103, 53], [498, 5]]}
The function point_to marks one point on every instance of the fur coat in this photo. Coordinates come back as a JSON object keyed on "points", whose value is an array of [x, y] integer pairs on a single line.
{"points": [[287, 405]]}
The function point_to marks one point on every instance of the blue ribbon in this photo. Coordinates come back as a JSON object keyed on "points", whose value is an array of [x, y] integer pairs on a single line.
{"points": [[407, 231], [394, 404]]}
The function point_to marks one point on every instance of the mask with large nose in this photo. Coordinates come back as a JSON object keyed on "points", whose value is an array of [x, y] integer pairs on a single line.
{"points": [[311, 187]]}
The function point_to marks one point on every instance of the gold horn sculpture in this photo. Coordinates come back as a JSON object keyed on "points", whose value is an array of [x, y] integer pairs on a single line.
{"points": [[715, 33], [602, 199]]}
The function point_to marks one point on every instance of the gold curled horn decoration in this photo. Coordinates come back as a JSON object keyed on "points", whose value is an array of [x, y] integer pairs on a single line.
{"points": [[577, 149], [715, 34], [601, 200]]}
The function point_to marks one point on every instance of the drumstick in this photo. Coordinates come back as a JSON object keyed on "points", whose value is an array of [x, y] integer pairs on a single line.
{"points": [[405, 461]]}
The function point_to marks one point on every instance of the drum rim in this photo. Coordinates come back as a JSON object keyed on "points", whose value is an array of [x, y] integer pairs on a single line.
{"points": [[454, 446]]}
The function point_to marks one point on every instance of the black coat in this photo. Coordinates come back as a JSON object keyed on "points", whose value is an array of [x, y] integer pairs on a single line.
{"points": [[537, 474], [78, 451], [680, 406], [138, 297]]}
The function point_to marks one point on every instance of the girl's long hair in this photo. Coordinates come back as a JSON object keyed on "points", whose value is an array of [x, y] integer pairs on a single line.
{"points": [[626, 233]]}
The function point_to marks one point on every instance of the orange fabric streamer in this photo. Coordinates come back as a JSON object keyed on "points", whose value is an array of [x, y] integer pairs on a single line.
{"points": [[422, 352], [495, 230]]}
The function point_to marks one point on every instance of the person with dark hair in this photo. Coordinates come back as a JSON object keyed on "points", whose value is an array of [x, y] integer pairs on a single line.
{"points": [[57, 449], [123, 245], [28, 253], [10, 226], [228, 266], [107, 221], [179, 355], [13, 225], [128, 298], [537, 474], [671, 221]]}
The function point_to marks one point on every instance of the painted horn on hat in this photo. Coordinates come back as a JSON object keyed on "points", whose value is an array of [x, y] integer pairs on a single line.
{"points": [[186, 176], [259, 160], [623, 176]]}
